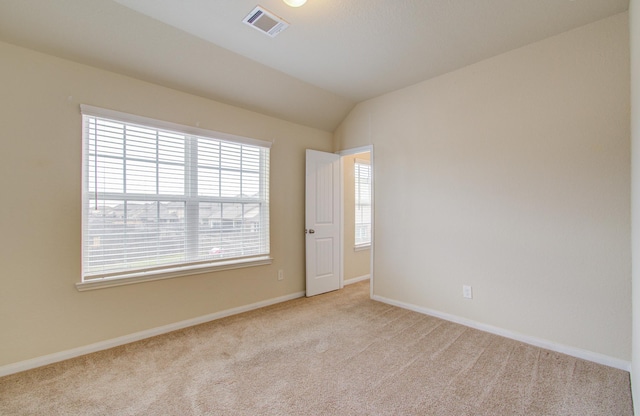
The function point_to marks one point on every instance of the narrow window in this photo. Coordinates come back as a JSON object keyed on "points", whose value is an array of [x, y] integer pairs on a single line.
{"points": [[160, 197], [362, 174]]}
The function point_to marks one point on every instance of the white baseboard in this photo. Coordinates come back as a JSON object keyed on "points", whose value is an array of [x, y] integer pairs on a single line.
{"points": [[126, 339], [357, 279], [537, 342]]}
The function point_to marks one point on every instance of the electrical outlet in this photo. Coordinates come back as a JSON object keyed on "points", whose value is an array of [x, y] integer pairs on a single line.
{"points": [[466, 292], [280, 274]]}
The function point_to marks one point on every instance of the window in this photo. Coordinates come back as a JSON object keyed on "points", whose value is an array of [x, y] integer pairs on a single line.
{"points": [[162, 199], [362, 173]]}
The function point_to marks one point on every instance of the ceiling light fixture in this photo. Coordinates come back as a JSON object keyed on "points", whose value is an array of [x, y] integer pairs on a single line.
{"points": [[295, 3]]}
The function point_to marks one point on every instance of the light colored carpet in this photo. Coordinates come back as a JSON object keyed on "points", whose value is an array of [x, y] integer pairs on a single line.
{"points": [[335, 354]]}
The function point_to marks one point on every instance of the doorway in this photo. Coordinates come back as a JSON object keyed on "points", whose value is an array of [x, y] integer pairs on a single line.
{"points": [[339, 213], [356, 229]]}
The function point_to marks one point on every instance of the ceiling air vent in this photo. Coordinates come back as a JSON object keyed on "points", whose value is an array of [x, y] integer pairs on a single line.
{"points": [[265, 21]]}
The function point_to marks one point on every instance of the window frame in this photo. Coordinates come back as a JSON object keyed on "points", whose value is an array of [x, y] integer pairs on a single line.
{"points": [[188, 267]]}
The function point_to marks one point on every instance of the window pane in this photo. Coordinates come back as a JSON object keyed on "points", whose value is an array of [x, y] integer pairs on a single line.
{"points": [[140, 143], [208, 153], [229, 230], [208, 182], [171, 179], [250, 184], [141, 177], [230, 156], [250, 159], [103, 236], [230, 184], [134, 234], [106, 175], [106, 137], [362, 174], [171, 240], [210, 231], [171, 147], [251, 229]]}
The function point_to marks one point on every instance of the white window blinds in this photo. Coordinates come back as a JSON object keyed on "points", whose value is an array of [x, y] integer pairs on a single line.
{"points": [[362, 174], [159, 195]]}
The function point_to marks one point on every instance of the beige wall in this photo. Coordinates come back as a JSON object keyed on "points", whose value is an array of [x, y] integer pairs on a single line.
{"points": [[634, 31], [356, 263], [41, 312], [512, 176]]}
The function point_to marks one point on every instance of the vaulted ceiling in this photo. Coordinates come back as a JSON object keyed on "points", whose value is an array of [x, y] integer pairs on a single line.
{"points": [[334, 54]]}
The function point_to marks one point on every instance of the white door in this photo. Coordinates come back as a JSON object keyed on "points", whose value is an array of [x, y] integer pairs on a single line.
{"points": [[322, 222]]}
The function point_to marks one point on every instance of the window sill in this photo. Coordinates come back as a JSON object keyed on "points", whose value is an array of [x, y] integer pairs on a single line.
{"points": [[362, 247], [148, 276]]}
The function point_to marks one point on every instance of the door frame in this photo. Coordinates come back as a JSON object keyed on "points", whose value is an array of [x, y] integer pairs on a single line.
{"points": [[347, 152]]}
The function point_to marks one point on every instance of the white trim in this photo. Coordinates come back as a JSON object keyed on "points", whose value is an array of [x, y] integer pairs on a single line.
{"points": [[167, 125], [169, 273], [362, 247], [357, 279], [126, 339], [356, 150], [341, 239], [537, 342], [353, 151], [373, 216]]}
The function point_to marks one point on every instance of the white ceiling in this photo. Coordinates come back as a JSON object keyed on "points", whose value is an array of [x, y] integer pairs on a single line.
{"points": [[334, 54]]}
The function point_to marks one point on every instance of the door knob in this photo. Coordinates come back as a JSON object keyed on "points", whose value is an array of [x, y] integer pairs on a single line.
{"points": [[310, 231]]}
